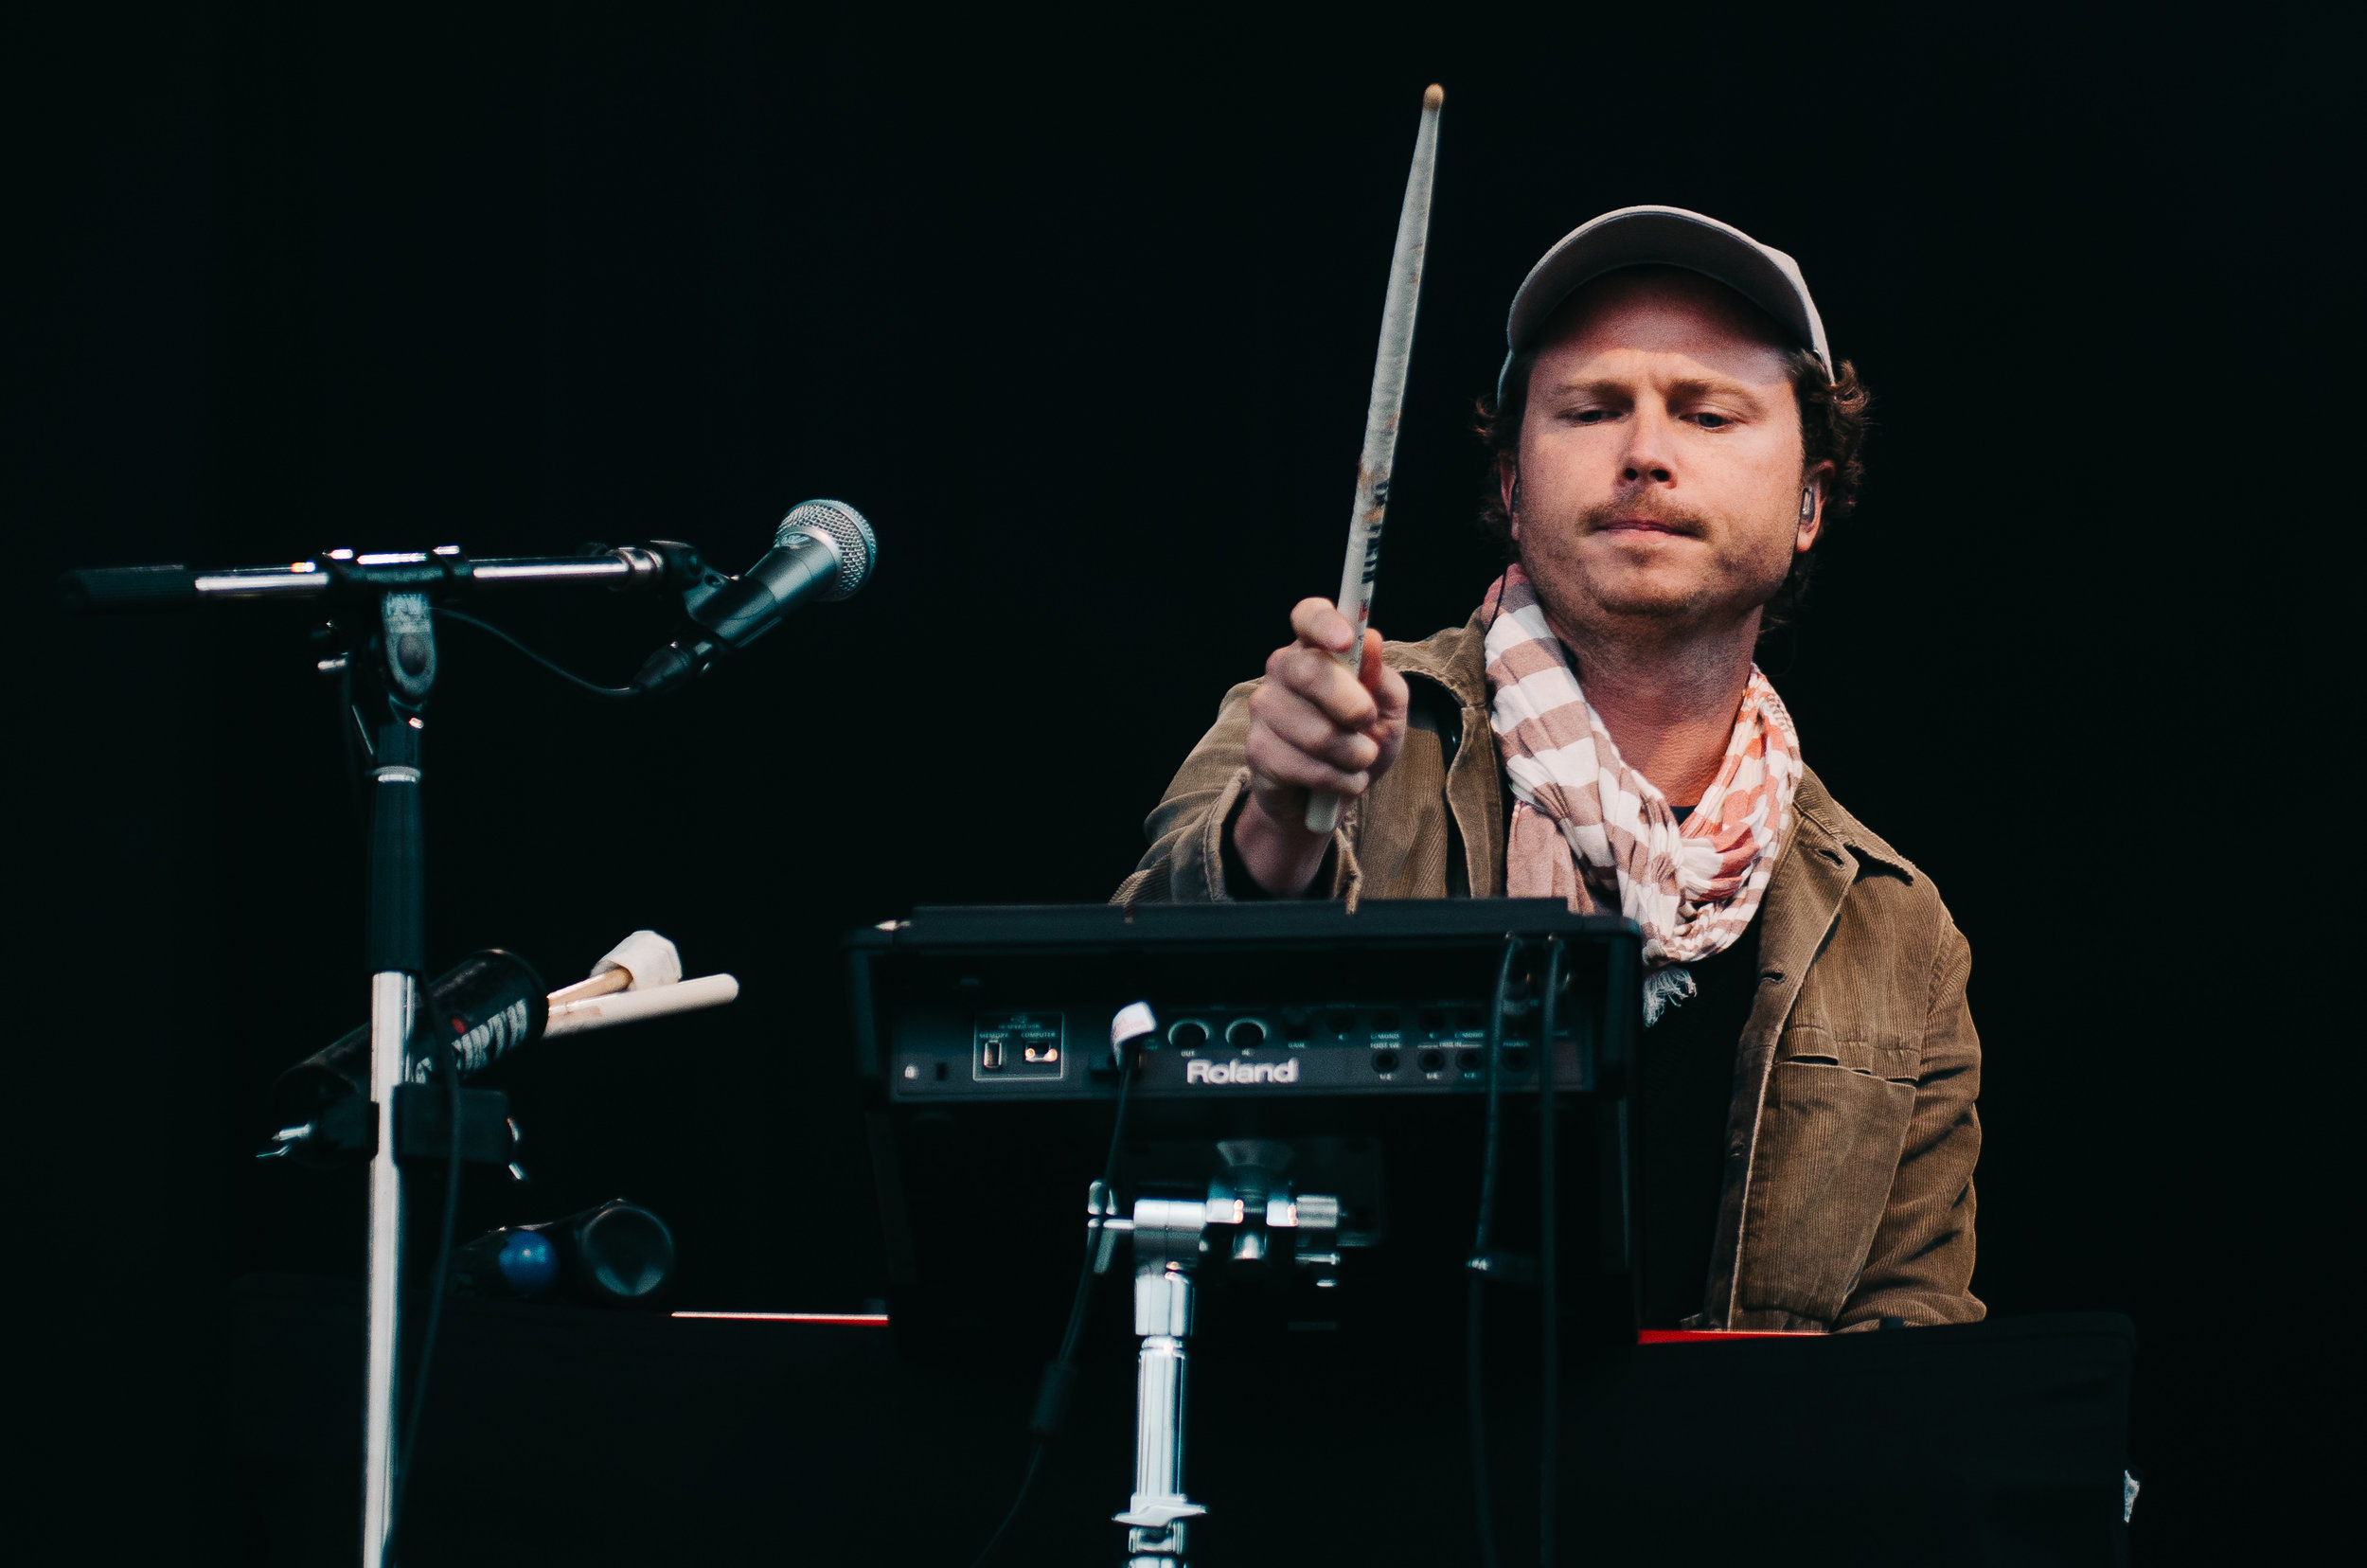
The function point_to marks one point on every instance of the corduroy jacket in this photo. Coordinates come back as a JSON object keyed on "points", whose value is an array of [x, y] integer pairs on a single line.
{"points": [[1852, 1135]]}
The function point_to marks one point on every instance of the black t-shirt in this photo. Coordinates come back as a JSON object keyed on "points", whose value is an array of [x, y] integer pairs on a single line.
{"points": [[1685, 1068]]}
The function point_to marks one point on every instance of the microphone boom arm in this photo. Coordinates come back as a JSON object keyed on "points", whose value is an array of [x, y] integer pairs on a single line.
{"points": [[442, 572]]}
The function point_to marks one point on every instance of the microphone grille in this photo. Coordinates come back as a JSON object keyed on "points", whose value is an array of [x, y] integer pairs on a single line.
{"points": [[858, 548]]}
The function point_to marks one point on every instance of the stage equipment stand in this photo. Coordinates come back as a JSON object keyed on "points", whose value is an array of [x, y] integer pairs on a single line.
{"points": [[1260, 1224], [383, 605]]}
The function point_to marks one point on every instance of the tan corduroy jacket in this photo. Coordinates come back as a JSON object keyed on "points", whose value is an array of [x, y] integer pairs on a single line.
{"points": [[1852, 1136]]}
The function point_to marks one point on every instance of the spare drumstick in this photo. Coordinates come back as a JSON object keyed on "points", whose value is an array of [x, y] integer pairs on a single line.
{"points": [[632, 1006], [1381, 415]]}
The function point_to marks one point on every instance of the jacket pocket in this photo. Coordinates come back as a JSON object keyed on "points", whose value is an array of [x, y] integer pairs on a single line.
{"points": [[1892, 1058], [1830, 1132]]}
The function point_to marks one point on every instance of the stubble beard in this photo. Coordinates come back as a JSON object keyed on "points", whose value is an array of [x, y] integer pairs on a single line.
{"points": [[1582, 602]]}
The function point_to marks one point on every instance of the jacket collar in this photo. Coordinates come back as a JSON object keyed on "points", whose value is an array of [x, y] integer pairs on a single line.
{"points": [[1824, 821], [1455, 658]]}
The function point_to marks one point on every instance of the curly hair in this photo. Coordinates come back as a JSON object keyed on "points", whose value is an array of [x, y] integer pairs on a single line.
{"points": [[1832, 430]]}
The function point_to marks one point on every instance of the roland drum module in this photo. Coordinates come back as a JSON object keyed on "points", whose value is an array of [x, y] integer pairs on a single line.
{"points": [[1014, 1003]]}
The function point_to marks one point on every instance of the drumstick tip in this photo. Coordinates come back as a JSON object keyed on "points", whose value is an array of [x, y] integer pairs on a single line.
{"points": [[1434, 96]]}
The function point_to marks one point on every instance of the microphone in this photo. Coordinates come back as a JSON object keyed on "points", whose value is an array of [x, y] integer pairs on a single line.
{"points": [[823, 550]]}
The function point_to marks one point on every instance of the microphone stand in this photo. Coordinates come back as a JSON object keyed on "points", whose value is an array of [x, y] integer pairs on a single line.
{"points": [[386, 604]]}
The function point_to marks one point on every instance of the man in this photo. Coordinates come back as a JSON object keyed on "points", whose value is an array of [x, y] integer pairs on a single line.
{"points": [[1672, 441]]}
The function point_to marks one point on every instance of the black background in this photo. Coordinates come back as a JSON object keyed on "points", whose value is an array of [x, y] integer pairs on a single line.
{"points": [[1082, 316]]}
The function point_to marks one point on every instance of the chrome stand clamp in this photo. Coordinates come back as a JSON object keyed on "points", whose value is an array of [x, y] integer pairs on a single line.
{"points": [[1259, 1223], [1167, 1244]]}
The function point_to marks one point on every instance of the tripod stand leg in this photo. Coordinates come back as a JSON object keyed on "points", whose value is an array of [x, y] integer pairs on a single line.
{"points": [[1163, 1316]]}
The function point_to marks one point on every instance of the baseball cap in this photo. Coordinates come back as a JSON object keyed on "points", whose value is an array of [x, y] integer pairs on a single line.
{"points": [[1669, 237]]}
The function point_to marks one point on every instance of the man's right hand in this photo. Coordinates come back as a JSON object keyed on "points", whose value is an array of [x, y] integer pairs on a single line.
{"points": [[1313, 725]]}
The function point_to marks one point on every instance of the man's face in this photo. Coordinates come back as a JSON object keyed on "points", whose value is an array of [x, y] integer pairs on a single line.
{"points": [[1660, 478]]}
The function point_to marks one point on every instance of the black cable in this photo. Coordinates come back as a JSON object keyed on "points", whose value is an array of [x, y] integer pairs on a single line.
{"points": [[1475, 1286], [1494, 1136], [1060, 1376], [1026, 1486], [1109, 1185], [1548, 1265], [448, 1066], [560, 671]]}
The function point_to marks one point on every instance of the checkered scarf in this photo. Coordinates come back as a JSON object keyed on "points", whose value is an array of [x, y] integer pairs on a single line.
{"points": [[1589, 829]]}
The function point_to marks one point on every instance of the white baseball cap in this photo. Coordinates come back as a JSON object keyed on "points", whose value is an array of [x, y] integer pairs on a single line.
{"points": [[1668, 236]]}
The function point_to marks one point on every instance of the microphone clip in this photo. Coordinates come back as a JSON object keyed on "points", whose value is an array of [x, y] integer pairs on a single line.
{"points": [[682, 565]]}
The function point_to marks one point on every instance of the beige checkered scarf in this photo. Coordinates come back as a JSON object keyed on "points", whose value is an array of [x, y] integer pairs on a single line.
{"points": [[1589, 829]]}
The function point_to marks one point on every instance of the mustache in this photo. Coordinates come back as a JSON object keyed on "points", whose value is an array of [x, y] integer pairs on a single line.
{"points": [[1677, 521]]}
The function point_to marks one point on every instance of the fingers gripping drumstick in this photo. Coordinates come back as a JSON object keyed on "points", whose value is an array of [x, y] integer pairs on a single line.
{"points": [[1381, 417]]}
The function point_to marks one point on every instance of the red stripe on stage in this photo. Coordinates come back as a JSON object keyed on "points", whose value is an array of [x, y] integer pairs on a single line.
{"points": [[1688, 1336], [858, 1320]]}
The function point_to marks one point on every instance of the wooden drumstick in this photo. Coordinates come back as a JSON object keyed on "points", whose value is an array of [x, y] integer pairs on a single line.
{"points": [[632, 1006], [1381, 415]]}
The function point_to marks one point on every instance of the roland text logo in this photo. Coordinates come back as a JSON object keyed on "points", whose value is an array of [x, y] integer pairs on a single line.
{"points": [[1200, 1070]]}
